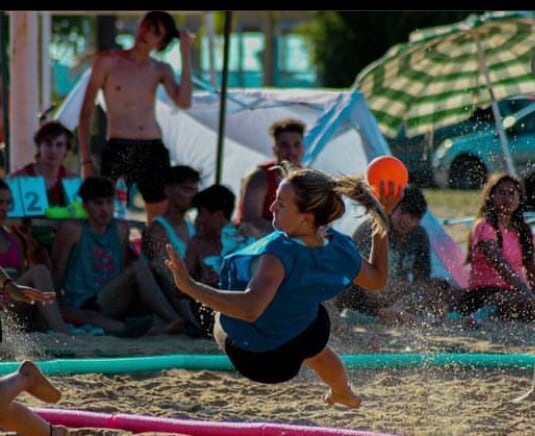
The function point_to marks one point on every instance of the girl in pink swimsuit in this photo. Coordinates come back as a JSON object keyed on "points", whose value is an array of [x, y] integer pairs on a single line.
{"points": [[501, 253], [37, 276]]}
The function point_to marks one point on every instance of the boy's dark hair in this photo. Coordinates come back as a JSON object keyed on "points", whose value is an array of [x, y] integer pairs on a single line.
{"points": [[166, 20], [96, 187], [179, 174], [51, 130], [413, 202], [214, 198], [287, 125]]}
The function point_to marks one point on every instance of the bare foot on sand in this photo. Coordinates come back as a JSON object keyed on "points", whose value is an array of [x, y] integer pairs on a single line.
{"points": [[38, 384], [347, 398]]}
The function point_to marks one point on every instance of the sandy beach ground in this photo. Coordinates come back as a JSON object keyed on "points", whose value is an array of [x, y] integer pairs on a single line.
{"points": [[417, 400]]}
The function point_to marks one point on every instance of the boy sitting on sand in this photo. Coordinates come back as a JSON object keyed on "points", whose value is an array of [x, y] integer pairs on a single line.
{"points": [[215, 237], [90, 263]]}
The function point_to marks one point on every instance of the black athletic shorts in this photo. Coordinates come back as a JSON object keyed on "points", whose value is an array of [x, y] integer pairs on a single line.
{"points": [[141, 161], [283, 363]]}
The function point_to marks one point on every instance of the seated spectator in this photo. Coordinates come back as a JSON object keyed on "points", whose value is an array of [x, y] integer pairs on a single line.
{"points": [[181, 184], [258, 187], [90, 260], [215, 237], [409, 267], [500, 253], [26, 269], [54, 142]]}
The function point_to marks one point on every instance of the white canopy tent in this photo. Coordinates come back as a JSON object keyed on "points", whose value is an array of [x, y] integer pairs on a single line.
{"points": [[342, 137]]}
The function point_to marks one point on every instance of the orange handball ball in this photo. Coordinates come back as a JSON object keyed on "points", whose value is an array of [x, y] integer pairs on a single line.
{"points": [[387, 169]]}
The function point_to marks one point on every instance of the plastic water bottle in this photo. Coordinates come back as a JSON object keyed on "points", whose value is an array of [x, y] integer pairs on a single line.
{"points": [[121, 198]]}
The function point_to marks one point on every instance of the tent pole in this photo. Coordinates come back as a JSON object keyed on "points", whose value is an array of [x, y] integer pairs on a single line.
{"points": [[223, 101], [495, 108]]}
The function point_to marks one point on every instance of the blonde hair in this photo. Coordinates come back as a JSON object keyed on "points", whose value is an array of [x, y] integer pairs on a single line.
{"points": [[320, 194]]}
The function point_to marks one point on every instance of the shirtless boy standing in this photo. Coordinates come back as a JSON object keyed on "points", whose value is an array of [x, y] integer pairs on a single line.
{"points": [[129, 80]]}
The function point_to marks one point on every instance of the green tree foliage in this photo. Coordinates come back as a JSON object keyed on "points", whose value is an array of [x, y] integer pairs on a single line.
{"points": [[347, 41], [72, 33]]}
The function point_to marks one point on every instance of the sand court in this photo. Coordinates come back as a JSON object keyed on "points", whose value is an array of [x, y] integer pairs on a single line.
{"points": [[417, 400]]}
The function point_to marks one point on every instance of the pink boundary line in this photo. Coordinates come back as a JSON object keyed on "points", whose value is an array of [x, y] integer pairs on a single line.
{"points": [[142, 423]]}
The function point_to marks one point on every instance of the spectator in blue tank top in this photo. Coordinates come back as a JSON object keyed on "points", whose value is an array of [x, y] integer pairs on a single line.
{"points": [[173, 226], [269, 317], [215, 237], [90, 263]]}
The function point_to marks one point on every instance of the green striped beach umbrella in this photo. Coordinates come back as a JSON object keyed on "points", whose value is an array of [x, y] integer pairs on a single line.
{"points": [[444, 73]]}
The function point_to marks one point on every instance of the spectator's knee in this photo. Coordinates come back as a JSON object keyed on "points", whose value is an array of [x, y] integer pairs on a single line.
{"points": [[41, 270]]}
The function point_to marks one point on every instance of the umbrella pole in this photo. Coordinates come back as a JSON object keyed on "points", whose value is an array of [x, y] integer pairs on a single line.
{"points": [[495, 109]]}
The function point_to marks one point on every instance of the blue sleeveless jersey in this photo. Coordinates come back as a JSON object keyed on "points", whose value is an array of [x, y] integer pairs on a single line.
{"points": [[93, 263], [178, 244], [312, 275]]}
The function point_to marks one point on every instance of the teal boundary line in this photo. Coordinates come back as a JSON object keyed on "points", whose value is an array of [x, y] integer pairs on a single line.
{"points": [[219, 362]]}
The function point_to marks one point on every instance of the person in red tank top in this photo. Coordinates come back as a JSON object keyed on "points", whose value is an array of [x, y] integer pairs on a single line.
{"points": [[258, 187], [53, 142]]}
